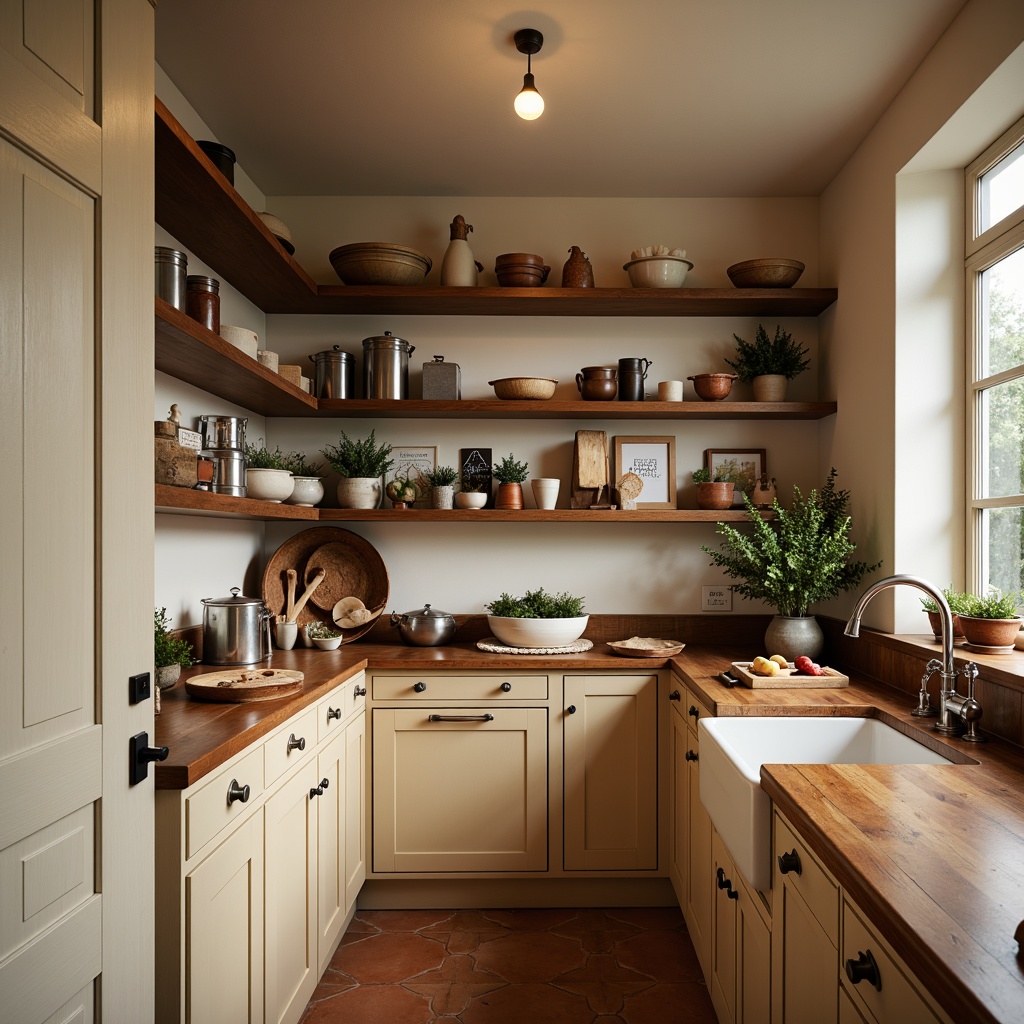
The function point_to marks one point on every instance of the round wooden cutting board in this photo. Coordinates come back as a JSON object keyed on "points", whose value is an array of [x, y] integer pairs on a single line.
{"points": [[242, 685]]}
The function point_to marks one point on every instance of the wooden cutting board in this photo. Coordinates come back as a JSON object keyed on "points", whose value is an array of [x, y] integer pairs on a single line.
{"points": [[788, 679], [244, 685]]}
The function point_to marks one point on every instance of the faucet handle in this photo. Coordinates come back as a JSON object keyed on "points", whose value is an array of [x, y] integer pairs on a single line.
{"points": [[970, 671], [933, 666], [971, 710]]}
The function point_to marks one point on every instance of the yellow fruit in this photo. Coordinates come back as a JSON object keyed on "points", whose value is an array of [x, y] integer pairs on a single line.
{"points": [[771, 668], [779, 660], [762, 666]]}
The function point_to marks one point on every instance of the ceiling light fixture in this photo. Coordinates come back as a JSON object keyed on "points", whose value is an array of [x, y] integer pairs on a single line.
{"points": [[529, 103]]}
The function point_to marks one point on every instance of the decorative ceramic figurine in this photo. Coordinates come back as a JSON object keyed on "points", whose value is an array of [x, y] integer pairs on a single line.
{"points": [[577, 272], [458, 268], [174, 416], [764, 492]]}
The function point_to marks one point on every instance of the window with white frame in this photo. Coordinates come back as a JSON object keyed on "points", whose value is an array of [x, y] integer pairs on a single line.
{"points": [[994, 265]]}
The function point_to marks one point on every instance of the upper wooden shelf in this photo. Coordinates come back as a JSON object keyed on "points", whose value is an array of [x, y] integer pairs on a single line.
{"points": [[195, 203]]}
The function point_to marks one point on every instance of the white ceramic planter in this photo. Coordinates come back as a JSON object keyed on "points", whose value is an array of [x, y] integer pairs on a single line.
{"points": [[307, 492], [273, 485], [537, 632], [545, 491], [359, 492], [470, 499], [442, 497]]}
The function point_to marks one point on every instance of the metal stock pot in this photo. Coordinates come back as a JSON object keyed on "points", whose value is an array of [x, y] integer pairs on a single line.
{"points": [[236, 630], [424, 627]]}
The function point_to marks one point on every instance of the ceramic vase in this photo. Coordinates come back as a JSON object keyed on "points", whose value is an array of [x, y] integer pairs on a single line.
{"points": [[770, 387], [793, 635], [167, 676], [286, 633], [359, 492], [306, 492], [545, 491], [458, 268], [509, 496], [442, 497]]}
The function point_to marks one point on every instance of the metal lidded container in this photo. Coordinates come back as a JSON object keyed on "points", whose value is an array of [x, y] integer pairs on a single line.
{"points": [[236, 630], [442, 380], [170, 271], [228, 472], [386, 366], [223, 432], [333, 374]]}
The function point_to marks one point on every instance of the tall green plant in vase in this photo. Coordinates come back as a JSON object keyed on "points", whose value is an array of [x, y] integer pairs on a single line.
{"points": [[800, 558]]}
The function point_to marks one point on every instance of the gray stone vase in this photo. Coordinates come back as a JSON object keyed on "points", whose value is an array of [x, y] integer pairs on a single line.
{"points": [[793, 635]]}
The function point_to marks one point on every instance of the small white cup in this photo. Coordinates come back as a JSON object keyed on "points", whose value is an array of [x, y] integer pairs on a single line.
{"points": [[545, 491], [670, 391], [286, 633]]}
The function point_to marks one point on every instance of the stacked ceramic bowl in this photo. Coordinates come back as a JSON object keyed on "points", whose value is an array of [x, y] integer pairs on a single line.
{"points": [[520, 270], [379, 263]]}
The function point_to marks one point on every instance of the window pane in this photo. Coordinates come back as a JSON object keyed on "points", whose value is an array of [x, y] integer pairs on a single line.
{"points": [[1002, 314], [1002, 415], [1002, 188], [1003, 548]]}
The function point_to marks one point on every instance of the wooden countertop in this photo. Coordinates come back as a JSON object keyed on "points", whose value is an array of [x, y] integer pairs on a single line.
{"points": [[933, 854]]}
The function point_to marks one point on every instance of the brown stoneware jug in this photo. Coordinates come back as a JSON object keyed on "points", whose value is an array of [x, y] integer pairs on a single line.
{"points": [[597, 383]]}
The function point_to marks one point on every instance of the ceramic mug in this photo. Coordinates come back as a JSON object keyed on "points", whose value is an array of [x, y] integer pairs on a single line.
{"points": [[670, 391]]}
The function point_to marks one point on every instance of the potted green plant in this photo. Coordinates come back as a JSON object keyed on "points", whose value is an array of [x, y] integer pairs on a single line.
{"points": [[360, 464], [267, 477], [993, 620], [799, 558], [170, 654], [537, 619], [510, 475], [769, 364], [471, 495], [442, 486], [957, 602], [308, 489], [713, 494]]}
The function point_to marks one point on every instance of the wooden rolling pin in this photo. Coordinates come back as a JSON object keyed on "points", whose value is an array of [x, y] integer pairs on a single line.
{"points": [[307, 594]]}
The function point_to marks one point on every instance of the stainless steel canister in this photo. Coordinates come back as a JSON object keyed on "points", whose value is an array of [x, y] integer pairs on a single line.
{"points": [[386, 366], [228, 472], [171, 270], [333, 375], [236, 630], [223, 432]]}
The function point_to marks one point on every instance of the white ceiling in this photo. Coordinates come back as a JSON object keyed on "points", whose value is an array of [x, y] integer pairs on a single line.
{"points": [[649, 98]]}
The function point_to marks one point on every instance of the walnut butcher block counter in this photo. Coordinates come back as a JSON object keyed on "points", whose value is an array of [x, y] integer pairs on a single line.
{"points": [[934, 854]]}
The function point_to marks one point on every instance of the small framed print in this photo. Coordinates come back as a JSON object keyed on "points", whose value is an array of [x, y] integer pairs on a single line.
{"points": [[745, 467], [413, 463], [653, 459]]}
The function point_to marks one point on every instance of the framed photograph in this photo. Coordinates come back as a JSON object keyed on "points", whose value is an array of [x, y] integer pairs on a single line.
{"points": [[475, 473], [745, 466], [413, 463], [653, 459]]}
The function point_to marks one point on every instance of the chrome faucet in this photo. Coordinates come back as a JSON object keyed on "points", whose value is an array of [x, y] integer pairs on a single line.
{"points": [[954, 708]]}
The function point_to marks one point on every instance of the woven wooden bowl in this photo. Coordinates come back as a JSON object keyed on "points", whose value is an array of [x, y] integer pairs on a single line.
{"points": [[518, 388], [379, 263], [767, 273]]}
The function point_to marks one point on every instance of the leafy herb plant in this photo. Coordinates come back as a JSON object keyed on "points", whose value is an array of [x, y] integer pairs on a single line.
{"points": [[296, 462], [168, 649], [508, 471], [258, 456], [956, 600], [443, 476], [782, 355], [537, 604], [318, 631], [723, 475], [994, 605], [800, 558], [363, 458]]}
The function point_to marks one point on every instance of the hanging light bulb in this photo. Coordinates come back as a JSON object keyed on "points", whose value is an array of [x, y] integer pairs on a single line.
{"points": [[529, 103]]}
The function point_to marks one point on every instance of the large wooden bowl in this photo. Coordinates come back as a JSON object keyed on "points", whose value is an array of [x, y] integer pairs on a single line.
{"points": [[379, 263], [773, 272], [524, 388]]}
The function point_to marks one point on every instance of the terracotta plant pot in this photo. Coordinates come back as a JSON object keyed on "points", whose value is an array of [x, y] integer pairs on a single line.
{"points": [[715, 495], [935, 620], [989, 632], [509, 496]]}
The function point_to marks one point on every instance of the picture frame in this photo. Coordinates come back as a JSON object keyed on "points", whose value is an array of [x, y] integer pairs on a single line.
{"points": [[413, 462], [748, 465], [653, 459]]}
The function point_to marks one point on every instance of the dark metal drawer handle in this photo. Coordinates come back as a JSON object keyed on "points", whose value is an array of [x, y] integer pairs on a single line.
{"points": [[319, 790], [693, 712], [675, 695], [419, 687], [726, 884], [334, 713], [864, 968], [506, 687], [691, 755], [359, 691], [296, 744], [789, 862], [237, 792], [460, 718]]}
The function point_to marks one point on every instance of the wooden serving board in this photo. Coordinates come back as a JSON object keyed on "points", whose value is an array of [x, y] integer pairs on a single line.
{"points": [[244, 685], [788, 678]]}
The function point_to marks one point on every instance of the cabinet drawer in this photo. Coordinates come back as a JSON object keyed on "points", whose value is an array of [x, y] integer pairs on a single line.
{"points": [[897, 999], [427, 686], [814, 884], [278, 757], [334, 711], [209, 809]]}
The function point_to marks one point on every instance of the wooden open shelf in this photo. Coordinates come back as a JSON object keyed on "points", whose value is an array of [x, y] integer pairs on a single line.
{"points": [[183, 501]]}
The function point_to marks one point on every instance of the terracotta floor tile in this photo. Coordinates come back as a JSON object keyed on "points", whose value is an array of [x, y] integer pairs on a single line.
{"points": [[531, 920], [388, 957], [529, 1004], [660, 1004], [596, 930], [529, 956], [603, 983], [408, 920], [662, 955], [370, 1004], [331, 984], [464, 931], [649, 918], [453, 985]]}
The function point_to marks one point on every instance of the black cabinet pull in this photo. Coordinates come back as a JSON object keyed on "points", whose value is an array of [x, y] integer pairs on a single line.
{"points": [[319, 790], [419, 687], [675, 695], [864, 968], [506, 687], [691, 755], [237, 792], [359, 691], [571, 709], [334, 713], [726, 884], [789, 862], [460, 718], [693, 712], [296, 744]]}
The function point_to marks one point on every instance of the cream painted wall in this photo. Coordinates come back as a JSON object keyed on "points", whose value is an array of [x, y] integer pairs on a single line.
{"points": [[894, 385]]}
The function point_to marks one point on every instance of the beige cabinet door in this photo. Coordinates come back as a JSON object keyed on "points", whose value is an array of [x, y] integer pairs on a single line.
{"points": [[610, 797], [461, 789], [290, 896], [679, 798], [331, 815], [355, 808], [224, 908], [725, 895], [699, 876], [753, 961], [805, 963]]}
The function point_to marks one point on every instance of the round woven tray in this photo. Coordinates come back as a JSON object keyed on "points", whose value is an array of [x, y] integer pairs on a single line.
{"points": [[493, 646]]}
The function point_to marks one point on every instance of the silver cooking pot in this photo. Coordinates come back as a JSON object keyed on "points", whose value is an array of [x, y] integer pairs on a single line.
{"points": [[236, 630], [223, 432], [424, 627]]}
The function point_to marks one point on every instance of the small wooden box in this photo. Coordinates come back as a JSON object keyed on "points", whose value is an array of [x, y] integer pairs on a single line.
{"points": [[442, 381], [173, 464], [291, 372]]}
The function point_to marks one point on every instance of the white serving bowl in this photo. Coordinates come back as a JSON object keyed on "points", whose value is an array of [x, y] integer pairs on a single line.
{"points": [[327, 643], [470, 499], [307, 491], [273, 485], [657, 271], [537, 632]]}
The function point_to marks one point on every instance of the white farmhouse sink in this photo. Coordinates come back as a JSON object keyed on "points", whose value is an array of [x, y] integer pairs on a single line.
{"points": [[732, 751]]}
